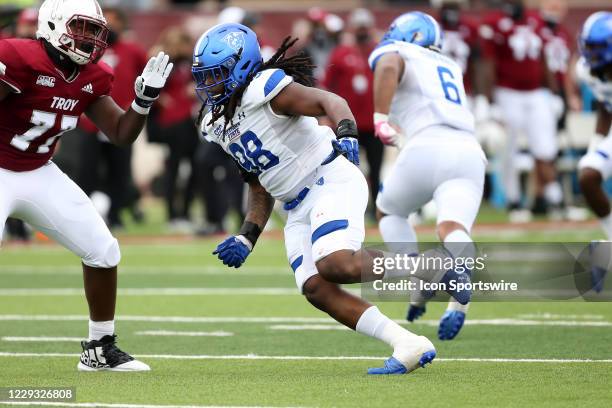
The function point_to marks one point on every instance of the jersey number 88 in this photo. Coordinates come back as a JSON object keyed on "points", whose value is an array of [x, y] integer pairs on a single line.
{"points": [[250, 154]]}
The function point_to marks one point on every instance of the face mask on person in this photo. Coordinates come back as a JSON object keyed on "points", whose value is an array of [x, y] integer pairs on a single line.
{"points": [[112, 38], [514, 10], [450, 16]]}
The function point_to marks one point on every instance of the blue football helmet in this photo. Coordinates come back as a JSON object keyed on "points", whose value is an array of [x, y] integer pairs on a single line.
{"points": [[416, 28], [596, 40], [227, 54]]}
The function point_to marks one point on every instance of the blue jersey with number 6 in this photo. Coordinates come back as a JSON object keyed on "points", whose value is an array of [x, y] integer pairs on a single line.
{"points": [[430, 92], [283, 151]]}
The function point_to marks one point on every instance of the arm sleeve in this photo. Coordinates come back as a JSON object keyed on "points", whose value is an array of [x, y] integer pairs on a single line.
{"points": [[11, 67]]}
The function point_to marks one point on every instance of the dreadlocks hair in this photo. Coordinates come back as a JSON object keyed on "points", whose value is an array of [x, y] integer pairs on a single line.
{"points": [[298, 66]]}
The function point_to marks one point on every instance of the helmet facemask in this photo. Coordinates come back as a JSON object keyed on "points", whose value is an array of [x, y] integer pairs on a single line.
{"points": [[214, 84], [85, 39]]}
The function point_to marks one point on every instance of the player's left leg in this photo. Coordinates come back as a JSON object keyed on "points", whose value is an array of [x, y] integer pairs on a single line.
{"points": [[57, 207], [595, 167], [458, 200], [330, 221], [542, 138]]}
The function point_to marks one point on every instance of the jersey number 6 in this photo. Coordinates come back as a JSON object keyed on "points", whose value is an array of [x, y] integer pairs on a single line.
{"points": [[450, 88], [250, 154]]}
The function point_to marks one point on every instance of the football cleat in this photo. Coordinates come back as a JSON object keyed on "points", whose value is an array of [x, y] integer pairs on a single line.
{"points": [[409, 357], [599, 253], [450, 324], [598, 275], [462, 296], [104, 355], [414, 312]]}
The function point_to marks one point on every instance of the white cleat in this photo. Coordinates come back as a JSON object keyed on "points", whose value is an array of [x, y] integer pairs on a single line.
{"points": [[104, 355]]}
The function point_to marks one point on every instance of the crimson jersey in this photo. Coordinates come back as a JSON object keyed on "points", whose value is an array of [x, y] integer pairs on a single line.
{"points": [[516, 48], [461, 43], [43, 105], [348, 74], [558, 48]]}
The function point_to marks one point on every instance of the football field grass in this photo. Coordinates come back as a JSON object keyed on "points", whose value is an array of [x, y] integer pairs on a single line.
{"points": [[224, 337]]}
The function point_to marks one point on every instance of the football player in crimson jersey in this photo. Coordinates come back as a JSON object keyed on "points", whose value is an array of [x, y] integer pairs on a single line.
{"points": [[515, 64], [45, 85]]}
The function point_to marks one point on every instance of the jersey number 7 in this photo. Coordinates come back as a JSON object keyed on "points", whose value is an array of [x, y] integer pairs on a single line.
{"points": [[43, 121]]}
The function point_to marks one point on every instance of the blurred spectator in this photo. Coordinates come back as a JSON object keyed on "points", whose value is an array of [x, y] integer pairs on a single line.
{"points": [[461, 40], [515, 65], [104, 166], [27, 24], [171, 123], [348, 75], [322, 38], [558, 48], [221, 186], [251, 20]]}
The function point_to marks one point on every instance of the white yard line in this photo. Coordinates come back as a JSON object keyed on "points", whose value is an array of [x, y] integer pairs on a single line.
{"points": [[105, 405], [183, 333], [303, 320], [40, 338], [148, 270], [156, 292], [323, 358], [300, 327]]}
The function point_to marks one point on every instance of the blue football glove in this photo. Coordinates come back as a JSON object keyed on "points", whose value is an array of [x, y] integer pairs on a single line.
{"points": [[349, 148], [234, 251]]}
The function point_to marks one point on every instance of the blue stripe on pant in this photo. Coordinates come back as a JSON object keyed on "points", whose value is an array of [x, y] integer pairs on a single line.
{"points": [[328, 228]]}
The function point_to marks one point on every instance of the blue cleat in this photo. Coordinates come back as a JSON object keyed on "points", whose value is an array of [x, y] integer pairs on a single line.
{"points": [[598, 275], [414, 312], [392, 366], [450, 324], [414, 354], [462, 296]]}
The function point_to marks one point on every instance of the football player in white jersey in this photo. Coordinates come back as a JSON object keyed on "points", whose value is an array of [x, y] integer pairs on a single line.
{"points": [[595, 69], [420, 104], [263, 114]]}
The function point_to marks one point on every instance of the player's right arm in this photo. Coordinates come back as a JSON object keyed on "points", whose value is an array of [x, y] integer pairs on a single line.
{"points": [[388, 71], [234, 250]]}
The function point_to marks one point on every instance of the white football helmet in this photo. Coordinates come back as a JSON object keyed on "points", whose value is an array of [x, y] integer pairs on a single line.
{"points": [[76, 28]]}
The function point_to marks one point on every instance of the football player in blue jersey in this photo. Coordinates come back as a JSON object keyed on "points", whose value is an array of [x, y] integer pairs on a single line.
{"points": [[264, 116]]}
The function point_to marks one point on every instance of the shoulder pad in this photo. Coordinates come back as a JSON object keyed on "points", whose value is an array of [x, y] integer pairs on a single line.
{"points": [[265, 86]]}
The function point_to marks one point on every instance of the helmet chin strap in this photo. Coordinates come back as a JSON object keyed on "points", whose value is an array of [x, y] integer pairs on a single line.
{"points": [[67, 66]]}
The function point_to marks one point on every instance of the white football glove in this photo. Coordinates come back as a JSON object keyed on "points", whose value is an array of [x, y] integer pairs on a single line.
{"points": [[149, 84]]}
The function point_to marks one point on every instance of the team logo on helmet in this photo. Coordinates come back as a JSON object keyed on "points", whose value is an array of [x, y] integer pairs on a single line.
{"points": [[235, 40]]}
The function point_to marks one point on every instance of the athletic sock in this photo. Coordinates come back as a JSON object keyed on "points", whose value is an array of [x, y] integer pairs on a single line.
{"points": [[97, 330], [453, 305], [398, 234], [553, 193], [375, 324], [460, 244], [606, 225]]}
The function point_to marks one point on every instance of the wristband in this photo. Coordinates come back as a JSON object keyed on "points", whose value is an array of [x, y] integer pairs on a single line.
{"points": [[380, 117], [250, 231], [347, 128], [139, 109]]}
